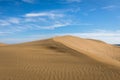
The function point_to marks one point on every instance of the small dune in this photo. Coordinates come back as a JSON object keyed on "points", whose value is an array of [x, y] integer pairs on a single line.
{"points": [[60, 58]]}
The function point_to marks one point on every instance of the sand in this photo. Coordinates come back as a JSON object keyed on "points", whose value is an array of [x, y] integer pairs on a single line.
{"points": [[60, 58], [2, 44]]}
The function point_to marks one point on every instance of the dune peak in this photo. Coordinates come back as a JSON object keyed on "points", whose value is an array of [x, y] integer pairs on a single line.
{"points": [[60, 58]]}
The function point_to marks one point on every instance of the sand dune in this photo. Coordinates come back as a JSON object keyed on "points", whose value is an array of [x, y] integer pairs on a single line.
{"points": [[1, 44], [60, 58], [93, 48]]}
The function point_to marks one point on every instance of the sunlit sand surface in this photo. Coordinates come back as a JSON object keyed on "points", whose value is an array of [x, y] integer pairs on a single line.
{"points": [[60, 58]]}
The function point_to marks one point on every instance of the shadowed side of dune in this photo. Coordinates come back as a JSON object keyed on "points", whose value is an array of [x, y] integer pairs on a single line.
{"points": [[95, 49], [51, 59]]}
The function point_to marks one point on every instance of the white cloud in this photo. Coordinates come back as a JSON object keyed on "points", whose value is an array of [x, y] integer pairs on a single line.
{"points": [[73, 1], [14, 20], [35, 21], [28, 1], [89, 11], [4, 23], [44, 14], [7, 22], [38, 21], [82, 24], [36, 14], [51, 19], [109, 7], [56, 25], [3, 33]]}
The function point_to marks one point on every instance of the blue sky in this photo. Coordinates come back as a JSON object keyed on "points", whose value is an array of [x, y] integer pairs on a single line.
{"points": [[27, 20]]}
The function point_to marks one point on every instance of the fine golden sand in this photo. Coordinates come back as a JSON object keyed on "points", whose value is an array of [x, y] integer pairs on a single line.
{"points": [[60, 58]]}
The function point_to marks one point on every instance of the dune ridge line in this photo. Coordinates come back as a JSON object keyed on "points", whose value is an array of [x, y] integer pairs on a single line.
{"points": [[75, 42]]}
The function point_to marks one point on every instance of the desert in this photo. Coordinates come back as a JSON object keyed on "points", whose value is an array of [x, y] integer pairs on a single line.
{"points": [[60, 58]]}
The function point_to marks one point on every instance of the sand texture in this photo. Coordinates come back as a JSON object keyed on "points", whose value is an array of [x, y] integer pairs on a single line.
{"points": [[60, 58]]}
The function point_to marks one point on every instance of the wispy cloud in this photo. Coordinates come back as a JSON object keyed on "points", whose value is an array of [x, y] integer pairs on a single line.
{"points": [[44, 14], [9, 21], [14, 20], [48, 20], [52, 19], [4, 23], [110, 7], [38, 14], [57, 25], [73, 1], [3, 33], [36, 21], [29, 1], [89, 11]]}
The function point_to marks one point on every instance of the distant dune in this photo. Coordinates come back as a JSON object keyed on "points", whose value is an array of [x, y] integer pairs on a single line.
{"points": [[2, 44], [60, 58]]}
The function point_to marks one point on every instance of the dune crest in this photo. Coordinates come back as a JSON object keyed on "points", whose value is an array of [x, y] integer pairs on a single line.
{"points": [[60, 58], [93, 48]]}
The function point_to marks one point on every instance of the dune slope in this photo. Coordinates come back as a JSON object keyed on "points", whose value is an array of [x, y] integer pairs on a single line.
{"points": [[57, 59], [93, 48]]}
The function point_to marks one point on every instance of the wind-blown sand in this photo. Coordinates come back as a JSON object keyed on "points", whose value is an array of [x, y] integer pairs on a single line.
{"points": [[60, 58]]}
